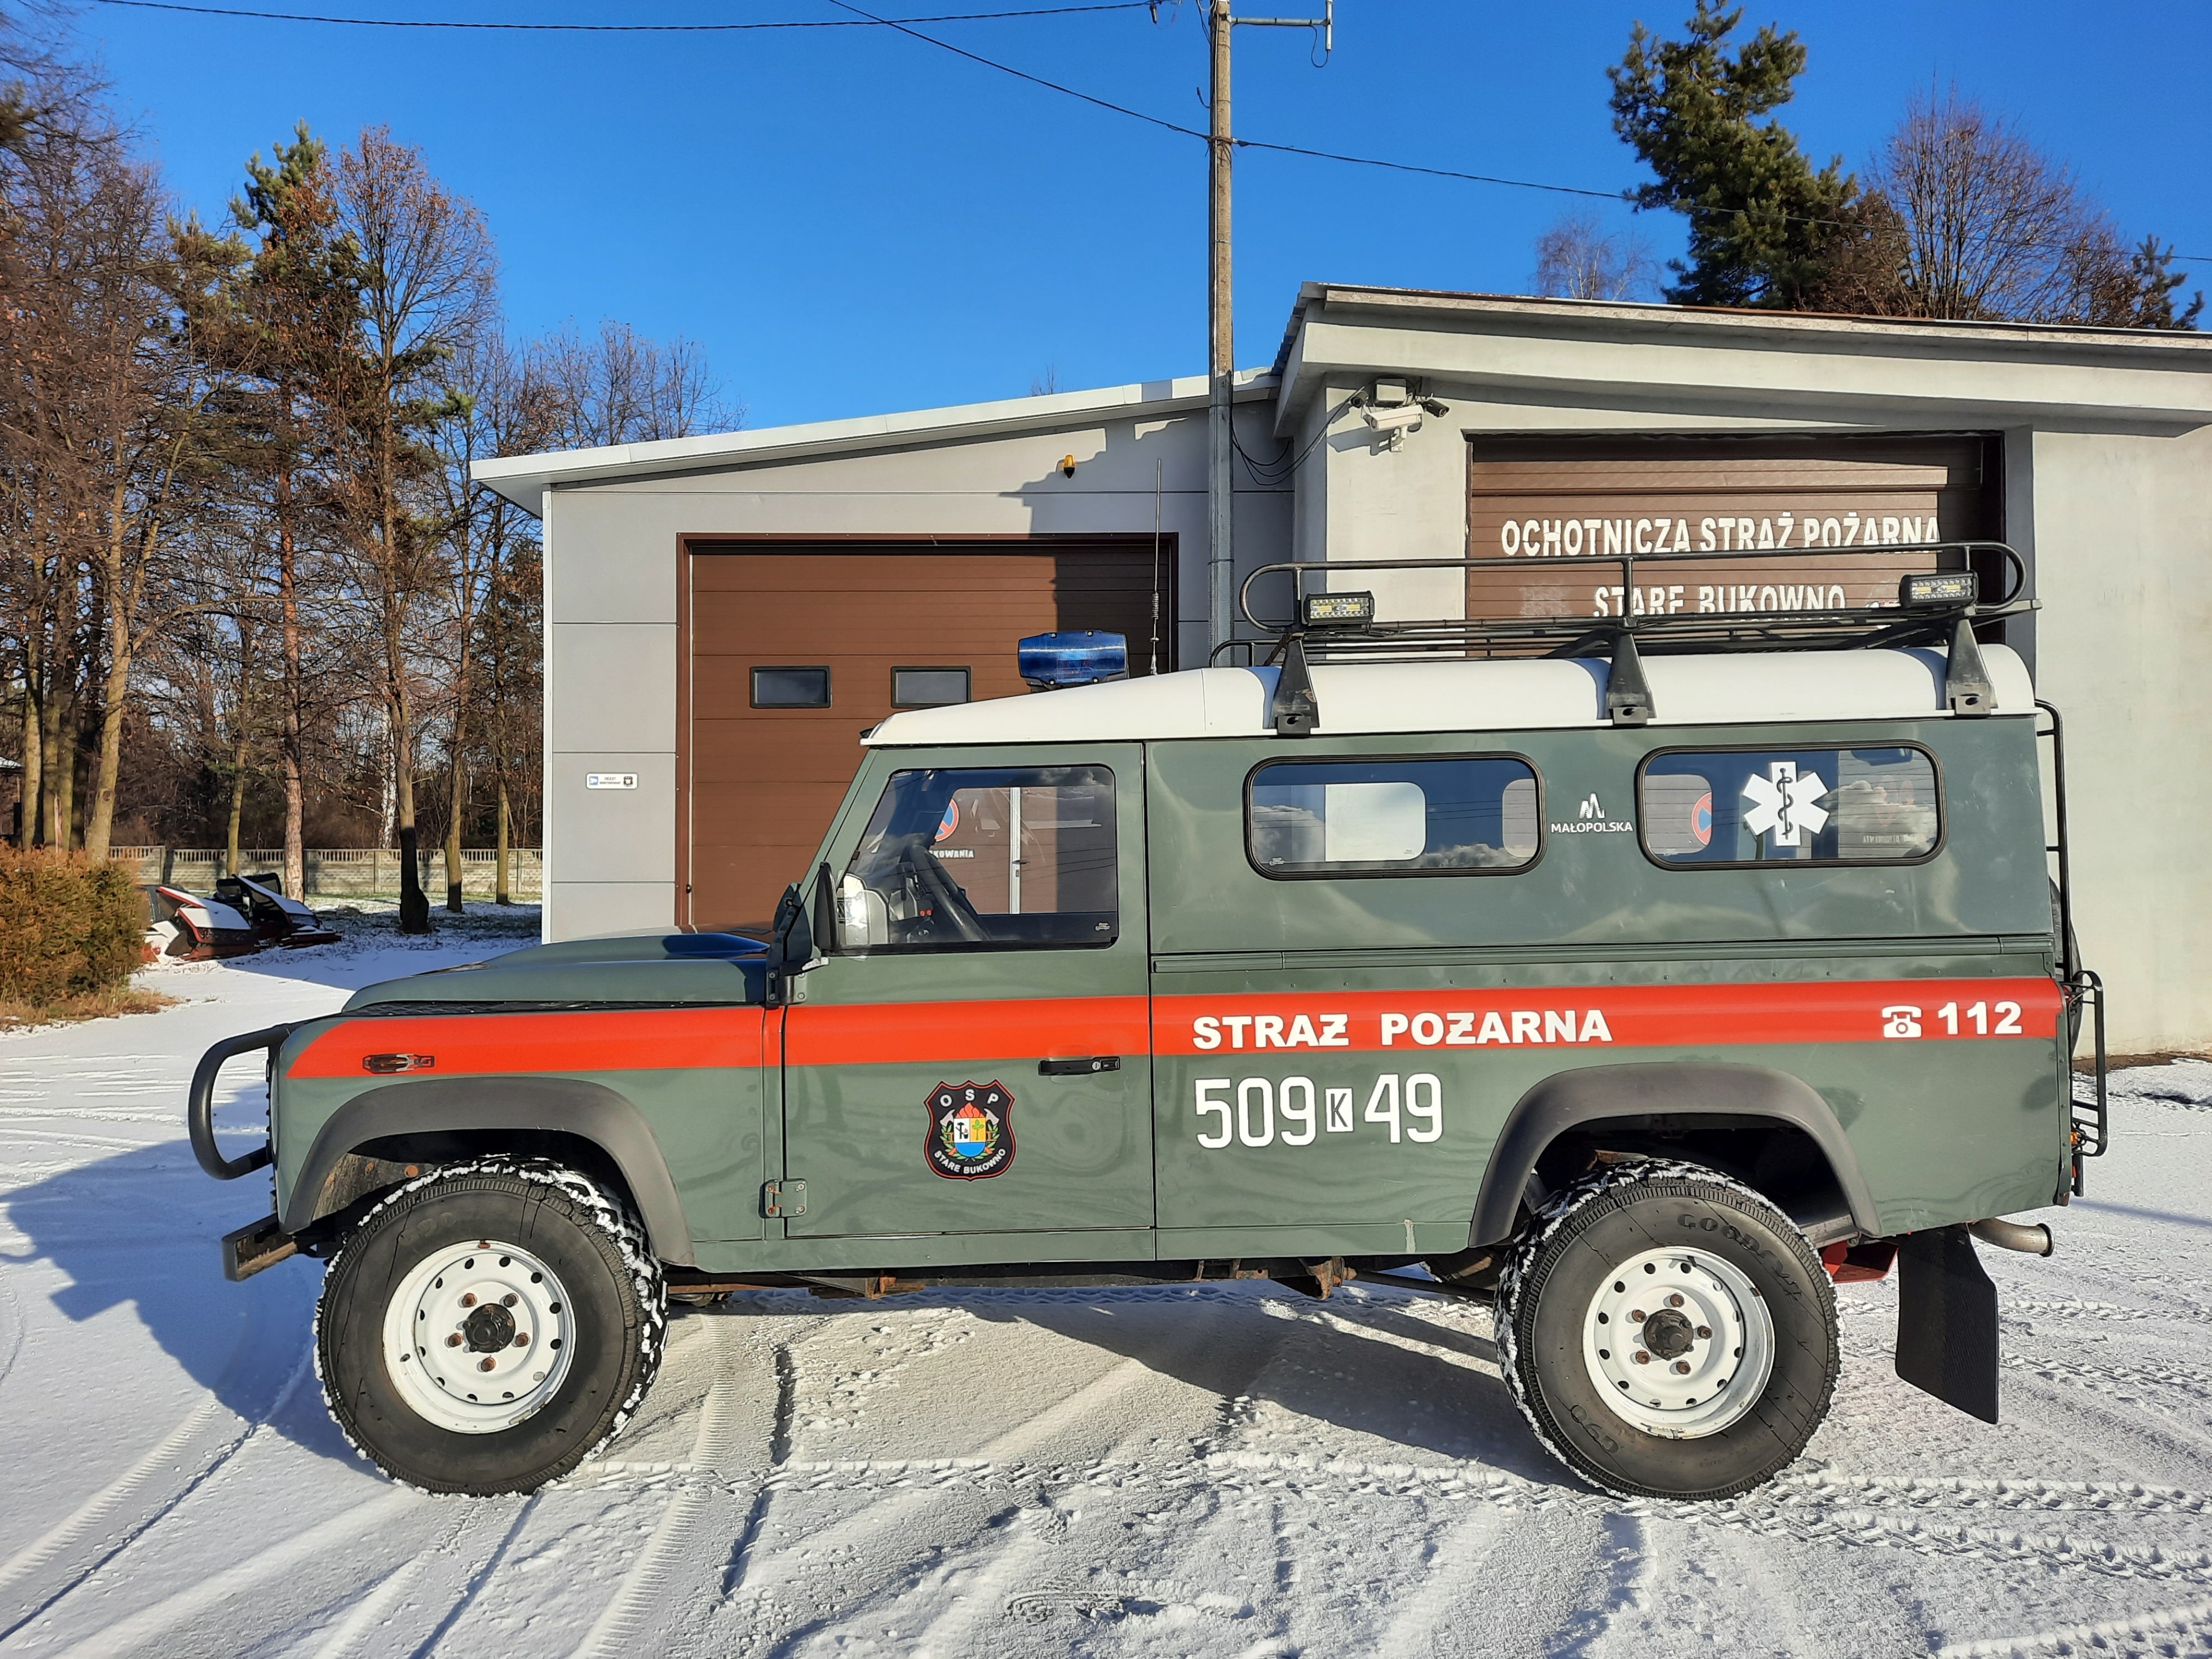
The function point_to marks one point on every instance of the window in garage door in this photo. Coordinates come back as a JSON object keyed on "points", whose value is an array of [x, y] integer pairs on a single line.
{"points": [[1836, 496], [879, 626]]}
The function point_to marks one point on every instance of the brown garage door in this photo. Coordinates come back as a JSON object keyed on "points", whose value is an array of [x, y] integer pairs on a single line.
{"points": [[1834, 503], [792, 650]]}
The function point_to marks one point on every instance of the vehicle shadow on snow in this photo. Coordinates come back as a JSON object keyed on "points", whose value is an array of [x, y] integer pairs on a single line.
{"points": [[1340, 1363], [138, 1233]]}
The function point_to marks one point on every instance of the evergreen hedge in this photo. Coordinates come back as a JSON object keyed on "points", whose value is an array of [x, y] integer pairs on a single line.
{"points": [[68, 927]]}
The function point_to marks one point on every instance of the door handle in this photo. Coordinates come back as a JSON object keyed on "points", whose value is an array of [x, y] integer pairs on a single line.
{"points": [[1084, 1066]]}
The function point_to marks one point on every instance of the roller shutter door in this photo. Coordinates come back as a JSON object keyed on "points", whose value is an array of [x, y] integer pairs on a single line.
{"points": [[767, 628], [1833, 503]]}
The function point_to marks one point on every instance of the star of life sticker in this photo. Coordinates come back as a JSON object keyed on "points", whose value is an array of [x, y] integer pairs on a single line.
{"points": [[1784, 806]]}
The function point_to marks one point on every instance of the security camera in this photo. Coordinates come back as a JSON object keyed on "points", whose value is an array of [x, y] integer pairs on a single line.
{"points": [[1393, 423], [1404, 418]]}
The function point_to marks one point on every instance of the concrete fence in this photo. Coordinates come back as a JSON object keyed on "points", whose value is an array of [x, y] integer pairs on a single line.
{"points": [[336, 872]]}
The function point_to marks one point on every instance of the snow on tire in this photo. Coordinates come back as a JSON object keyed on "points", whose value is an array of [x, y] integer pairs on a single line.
{"points": [[488, 1325], [1667, 1332]]}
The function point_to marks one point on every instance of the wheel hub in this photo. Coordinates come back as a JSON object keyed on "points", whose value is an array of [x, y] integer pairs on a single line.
{"points": [[1669, 1334], [478, 1336], [490, 1329], [1678, 1342]]}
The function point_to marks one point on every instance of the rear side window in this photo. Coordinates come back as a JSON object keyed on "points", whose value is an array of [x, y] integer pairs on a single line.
{"points": [[1460, 814], [1728, 808], [985, 857]]}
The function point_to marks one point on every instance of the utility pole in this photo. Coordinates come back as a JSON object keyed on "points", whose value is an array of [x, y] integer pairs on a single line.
{"points": [[1221, 361]]}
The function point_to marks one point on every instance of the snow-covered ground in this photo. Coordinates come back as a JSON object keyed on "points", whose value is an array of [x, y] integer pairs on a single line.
{"points": [[1225, 1469]]}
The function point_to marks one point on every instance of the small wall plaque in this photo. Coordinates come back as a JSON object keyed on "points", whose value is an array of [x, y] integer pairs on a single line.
{"points": [[609, 779]]}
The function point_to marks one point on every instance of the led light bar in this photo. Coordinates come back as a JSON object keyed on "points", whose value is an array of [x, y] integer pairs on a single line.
{"points": [[1336, 610], [1940, 587]]}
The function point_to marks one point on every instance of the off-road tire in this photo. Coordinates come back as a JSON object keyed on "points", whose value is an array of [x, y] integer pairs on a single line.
{"points": [[584, 1234], [1559, 1265]]}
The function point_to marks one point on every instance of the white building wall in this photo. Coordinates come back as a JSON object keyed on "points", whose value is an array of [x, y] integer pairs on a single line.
{"points": [[611, 574], [2123, 530]]}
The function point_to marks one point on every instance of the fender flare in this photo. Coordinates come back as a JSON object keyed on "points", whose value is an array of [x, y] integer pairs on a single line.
{"points": [[590, 1111], [1569, 1100]]}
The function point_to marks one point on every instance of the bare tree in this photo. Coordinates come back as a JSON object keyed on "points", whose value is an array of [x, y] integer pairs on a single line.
{"points": [[1577, 258], [104, 428], [425, 276], [624, 388], [1963, 218], [513, 408]]}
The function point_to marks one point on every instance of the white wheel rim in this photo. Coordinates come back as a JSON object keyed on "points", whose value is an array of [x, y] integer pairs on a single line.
{"points": [[478, 1336], [1704, 1334]]}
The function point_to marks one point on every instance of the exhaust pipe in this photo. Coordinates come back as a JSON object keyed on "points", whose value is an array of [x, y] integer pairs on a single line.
{"points": [[2032, 1238]]}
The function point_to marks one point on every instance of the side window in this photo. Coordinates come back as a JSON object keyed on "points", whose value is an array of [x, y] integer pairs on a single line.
{"points": [[1002, 857], [1464, 814], [1733, 807]]}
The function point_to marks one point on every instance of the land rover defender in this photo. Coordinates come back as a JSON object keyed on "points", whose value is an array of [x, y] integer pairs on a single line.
{"points": [[1641, 975]]}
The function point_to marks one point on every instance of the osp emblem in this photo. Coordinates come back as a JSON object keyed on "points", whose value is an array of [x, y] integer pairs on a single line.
{"points": [[971, 1130]]}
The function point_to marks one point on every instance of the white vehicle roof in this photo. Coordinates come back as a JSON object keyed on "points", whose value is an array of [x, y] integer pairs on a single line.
{"points": [[1459, 694]]}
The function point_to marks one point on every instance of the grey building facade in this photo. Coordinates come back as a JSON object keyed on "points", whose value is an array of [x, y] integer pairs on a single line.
{"points": [[678, 573]]}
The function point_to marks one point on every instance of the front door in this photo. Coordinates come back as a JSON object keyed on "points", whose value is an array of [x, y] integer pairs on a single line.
{"points": [[974, 1056]]}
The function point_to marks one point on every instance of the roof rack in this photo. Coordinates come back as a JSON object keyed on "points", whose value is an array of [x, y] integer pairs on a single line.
{"points": [[1940, 607]]}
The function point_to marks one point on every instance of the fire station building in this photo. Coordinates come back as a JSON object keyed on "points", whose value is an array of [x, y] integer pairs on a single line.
{"points": [[725, 614]]}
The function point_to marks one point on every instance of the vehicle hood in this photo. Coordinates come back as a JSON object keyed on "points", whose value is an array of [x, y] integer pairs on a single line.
{"points": [[647, 970]]}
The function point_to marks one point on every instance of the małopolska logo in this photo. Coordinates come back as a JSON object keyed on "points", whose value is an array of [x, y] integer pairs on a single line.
{"points": [[1589, 819]]}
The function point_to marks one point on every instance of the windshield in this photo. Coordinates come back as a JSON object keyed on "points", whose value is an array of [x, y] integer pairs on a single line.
{"points": [[988, 856]]}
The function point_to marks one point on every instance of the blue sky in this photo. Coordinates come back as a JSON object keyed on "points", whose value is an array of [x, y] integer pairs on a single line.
{"points": [[852, 221]]}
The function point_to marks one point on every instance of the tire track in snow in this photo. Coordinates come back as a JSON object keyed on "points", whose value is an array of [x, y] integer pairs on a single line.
{"points": [[2146, 1633], [1624, 1569], [865, 1539], [1823, 1488], [1452, 1588], [11, 1328], [86, 1522], [627, 1622], [779, 1453], [2193, 1383], [473, 1585], [370, 1610], [89, 1516], [149, 1623]]}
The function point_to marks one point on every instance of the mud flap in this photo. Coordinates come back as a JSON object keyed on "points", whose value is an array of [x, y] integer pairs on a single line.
{"points": [[1947, 1321]]}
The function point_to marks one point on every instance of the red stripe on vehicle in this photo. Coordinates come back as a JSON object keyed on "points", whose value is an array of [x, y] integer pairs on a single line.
{"points": [[1611, 1016], [887, 1033], [609, 1040], [873, 1034]]}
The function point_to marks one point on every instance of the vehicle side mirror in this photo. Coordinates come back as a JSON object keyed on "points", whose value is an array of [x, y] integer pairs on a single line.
{"points": [[790, 945], [825, 911]]}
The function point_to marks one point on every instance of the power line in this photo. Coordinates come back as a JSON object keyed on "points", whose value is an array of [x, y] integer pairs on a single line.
{"points": [[1623, 197], [899, 26], [902, 25], [624, 29]]}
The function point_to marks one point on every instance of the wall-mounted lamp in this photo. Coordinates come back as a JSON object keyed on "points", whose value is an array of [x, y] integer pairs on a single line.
{"points": [[1068, 467]]}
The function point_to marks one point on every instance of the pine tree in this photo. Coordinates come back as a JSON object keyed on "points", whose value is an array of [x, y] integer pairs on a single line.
{"points": [[1759, 213], [2151, 285], [301, 312]]}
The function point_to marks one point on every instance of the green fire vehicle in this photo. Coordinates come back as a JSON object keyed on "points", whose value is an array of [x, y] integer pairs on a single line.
{"points": [[1641, 976]]}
